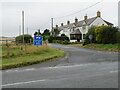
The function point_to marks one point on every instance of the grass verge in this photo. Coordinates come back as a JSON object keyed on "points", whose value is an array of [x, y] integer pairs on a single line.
{"points": [[107, 47], [31, 57]]}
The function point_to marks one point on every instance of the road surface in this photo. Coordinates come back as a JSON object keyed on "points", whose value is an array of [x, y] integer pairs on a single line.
{"points": [[81, 68]]}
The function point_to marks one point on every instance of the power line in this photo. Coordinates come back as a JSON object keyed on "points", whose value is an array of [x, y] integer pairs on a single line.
{"points": [[74, 12], [79, 11]]}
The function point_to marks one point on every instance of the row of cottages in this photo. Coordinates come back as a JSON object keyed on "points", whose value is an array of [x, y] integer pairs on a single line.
{"points": [[76, 31]]}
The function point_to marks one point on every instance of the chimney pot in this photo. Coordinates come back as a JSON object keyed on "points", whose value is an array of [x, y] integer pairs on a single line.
{"points": [[61, 24], [76, 20], [85, 17], [56, 26], [98, 14], [68, 22]]}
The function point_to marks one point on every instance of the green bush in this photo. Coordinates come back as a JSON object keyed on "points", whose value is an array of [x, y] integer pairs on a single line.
{"points": [[118, 37], [91, 31], [62, 38], [50, 39], [27, 39], [45, 37], [106, 34]]}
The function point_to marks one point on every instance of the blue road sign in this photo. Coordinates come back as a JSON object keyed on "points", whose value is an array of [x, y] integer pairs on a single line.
{"points": [[37, 40]]}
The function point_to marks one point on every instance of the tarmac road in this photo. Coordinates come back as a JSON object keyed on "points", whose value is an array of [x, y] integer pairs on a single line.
{"points": [[81, 68]]}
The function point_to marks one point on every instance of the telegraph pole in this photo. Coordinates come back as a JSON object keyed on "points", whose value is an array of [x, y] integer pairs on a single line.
{"points": [[19, 29], [52, 26], [27, 30], [23, 25]]}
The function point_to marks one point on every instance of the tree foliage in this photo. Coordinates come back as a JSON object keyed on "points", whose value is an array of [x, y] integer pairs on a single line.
{"points": [[37, 33], [103, 35], [106, 34], [63, 38], [91, 31], [46, 32], [27, 39], [56, 32], [63, 35]]}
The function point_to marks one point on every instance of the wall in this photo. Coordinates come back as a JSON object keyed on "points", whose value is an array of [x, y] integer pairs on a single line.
{"points": [[98, 22]]}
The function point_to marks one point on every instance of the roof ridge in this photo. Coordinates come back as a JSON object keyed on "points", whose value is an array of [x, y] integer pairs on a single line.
{"points": [[78, 22]]}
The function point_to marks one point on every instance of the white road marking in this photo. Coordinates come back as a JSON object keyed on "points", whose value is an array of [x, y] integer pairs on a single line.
{"points": [[22, 83], [116, 71], [29, 69], [71, 66]]}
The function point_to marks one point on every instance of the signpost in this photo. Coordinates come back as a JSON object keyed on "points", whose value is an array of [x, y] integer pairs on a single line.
{"points": [[38, 40], [91, 37]]}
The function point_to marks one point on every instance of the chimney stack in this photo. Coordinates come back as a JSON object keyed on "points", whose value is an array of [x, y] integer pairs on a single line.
{"points": [[98, 14], [56, 26], [61, 24], [85, 17], [68, 22], [76, 20]]}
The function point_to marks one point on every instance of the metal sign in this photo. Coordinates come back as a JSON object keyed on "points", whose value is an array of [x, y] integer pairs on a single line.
{"points": [[90, 36], [38, 40]]}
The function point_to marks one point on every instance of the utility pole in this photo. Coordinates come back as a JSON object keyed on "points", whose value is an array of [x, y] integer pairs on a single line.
{"points": [[52, 31], [23, 25], [19, 29], [27, 30]]}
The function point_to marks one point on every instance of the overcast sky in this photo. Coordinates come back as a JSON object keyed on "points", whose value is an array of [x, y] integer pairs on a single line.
{"points": [[38, 14]]}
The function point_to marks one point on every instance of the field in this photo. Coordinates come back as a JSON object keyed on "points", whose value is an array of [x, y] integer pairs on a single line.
{"points": [[18, 56]]}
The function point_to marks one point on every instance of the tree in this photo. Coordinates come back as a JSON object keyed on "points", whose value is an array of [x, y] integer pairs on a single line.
{"points": [[63, 35], [27, 39], [46, 32], [56, 31], [106, 34], [37, 33], [91, 31]]}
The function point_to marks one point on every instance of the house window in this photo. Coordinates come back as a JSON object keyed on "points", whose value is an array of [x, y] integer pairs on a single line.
{"points": [[75, 36]]}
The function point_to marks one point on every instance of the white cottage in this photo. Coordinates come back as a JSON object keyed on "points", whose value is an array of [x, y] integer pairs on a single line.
{"points": [[76, 31]]}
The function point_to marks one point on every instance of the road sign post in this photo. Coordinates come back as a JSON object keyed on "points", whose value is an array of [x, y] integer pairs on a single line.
{"points": [[38, 40], [91, 37]]}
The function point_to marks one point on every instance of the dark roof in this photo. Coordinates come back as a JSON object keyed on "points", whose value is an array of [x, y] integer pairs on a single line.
{"points": [[88, 22], [70, 26], [108, 23], [80, 23], [77, 31]]}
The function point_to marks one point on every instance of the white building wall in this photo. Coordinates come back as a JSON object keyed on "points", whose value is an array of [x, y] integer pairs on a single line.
{"points": [[98, 22], [65, 31]]}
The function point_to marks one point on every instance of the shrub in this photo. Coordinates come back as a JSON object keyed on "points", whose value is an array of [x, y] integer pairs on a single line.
{"points": [[63, 35], [106, 34], [118, 37], [27, 38], [62, 38], [45, 37], [50, 39], [91, 31]]}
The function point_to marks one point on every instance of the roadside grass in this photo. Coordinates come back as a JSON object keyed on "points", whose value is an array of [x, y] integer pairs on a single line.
{"points": [[108, 47], [79, 43], [32, 55]]}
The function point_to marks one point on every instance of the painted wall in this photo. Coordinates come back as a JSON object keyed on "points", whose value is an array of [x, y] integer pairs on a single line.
{"points": [[97, 22]]}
